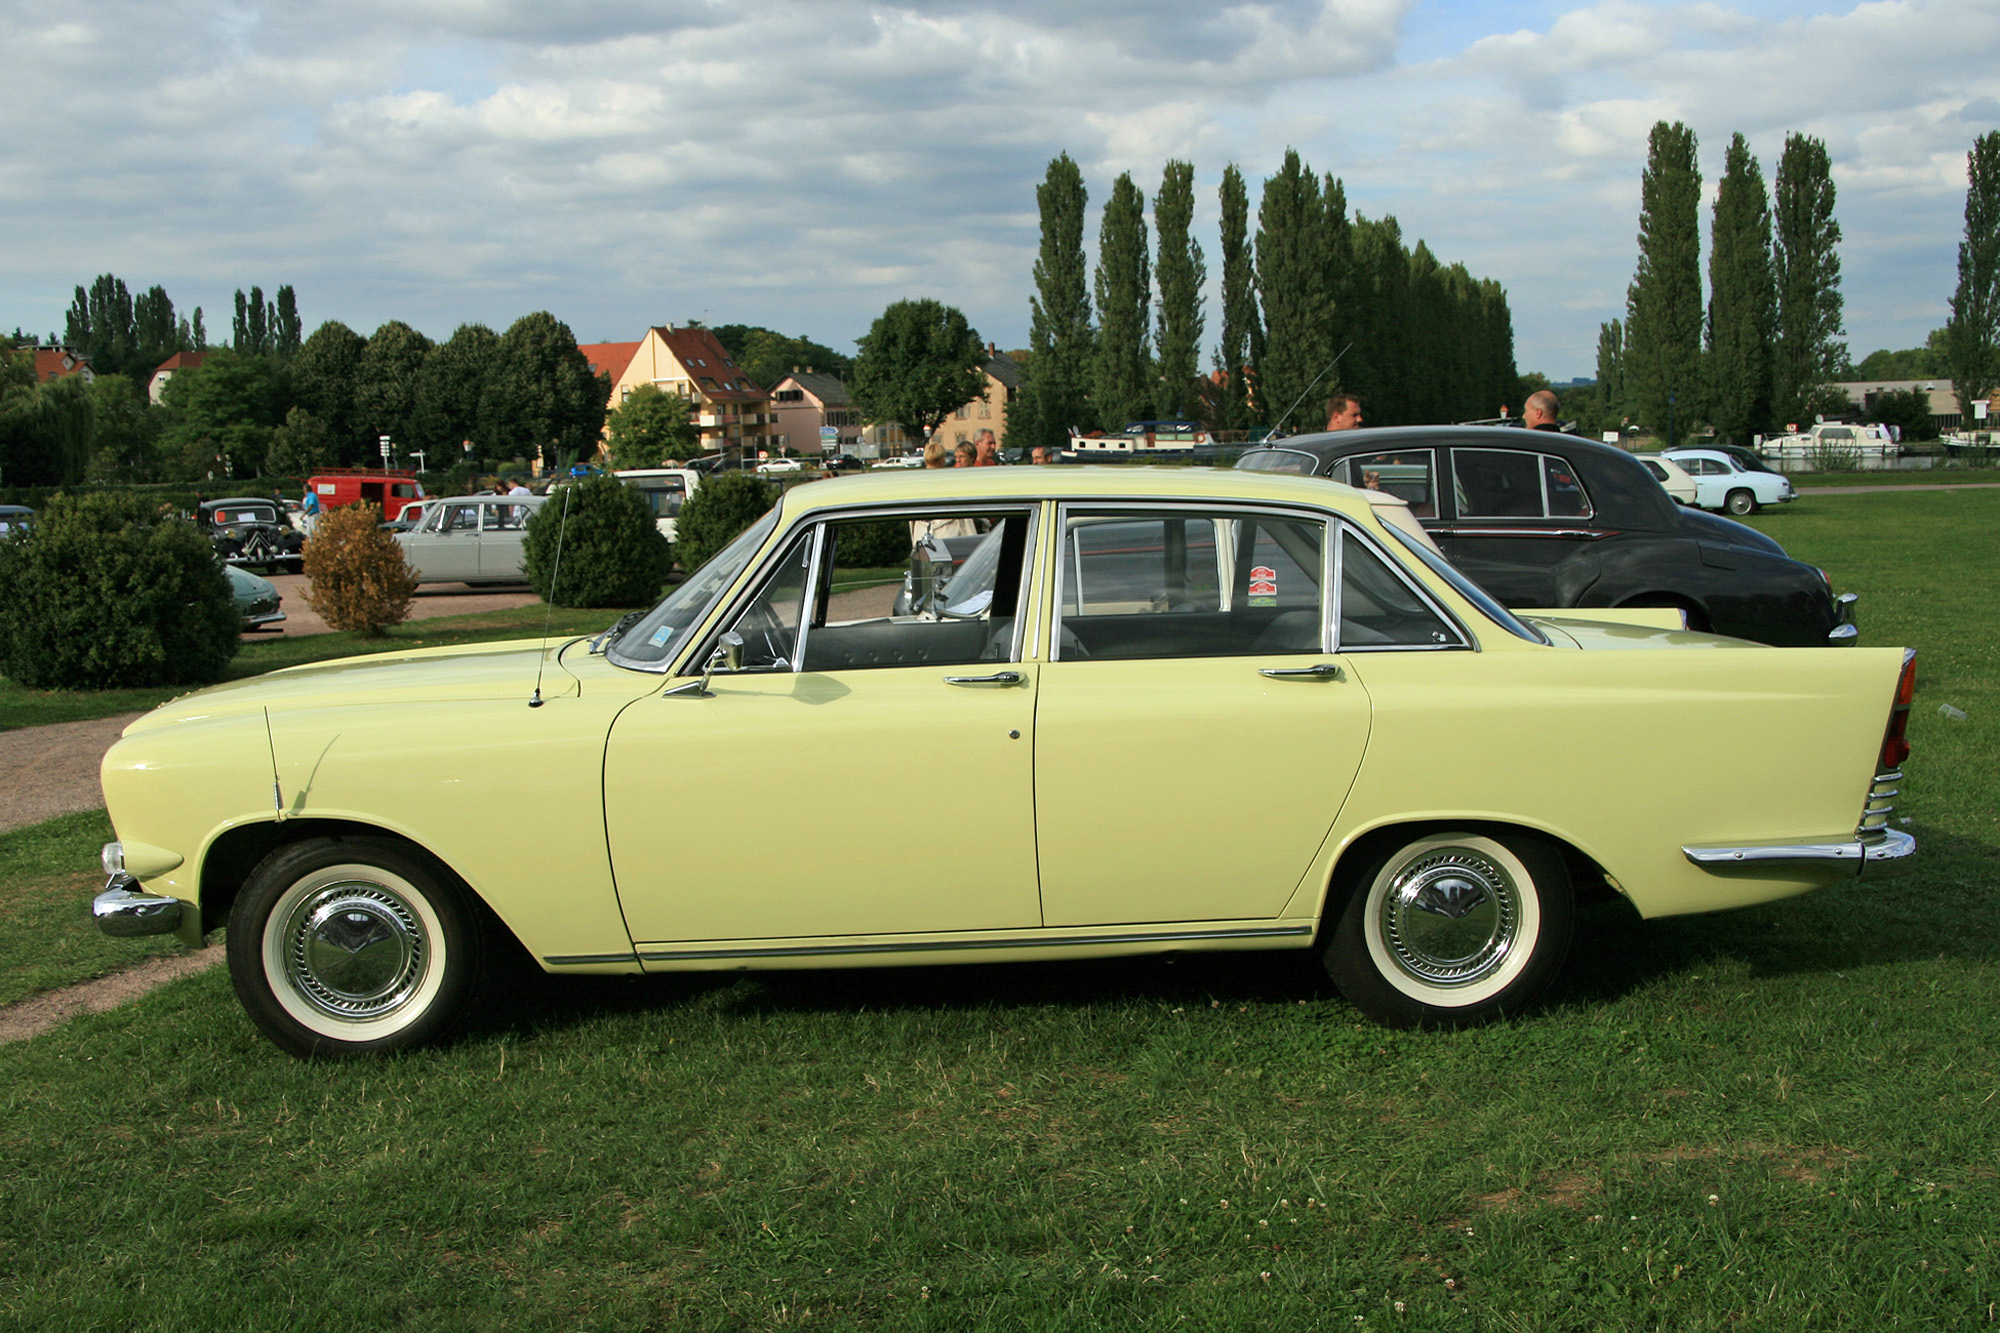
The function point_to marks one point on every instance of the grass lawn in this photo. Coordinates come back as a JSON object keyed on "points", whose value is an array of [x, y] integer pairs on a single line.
{"points": [[1782, 1118], [1943, 476]]}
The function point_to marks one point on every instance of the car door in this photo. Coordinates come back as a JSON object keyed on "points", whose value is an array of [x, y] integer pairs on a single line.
{"points": [[502, 538], [859, 774], [1518, 514], [446, 548], [1195, 734]]}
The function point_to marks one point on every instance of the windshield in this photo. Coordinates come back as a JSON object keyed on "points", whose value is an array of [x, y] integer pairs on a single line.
{"points": [[1277, 460], [1467, 589], [652, 639]]}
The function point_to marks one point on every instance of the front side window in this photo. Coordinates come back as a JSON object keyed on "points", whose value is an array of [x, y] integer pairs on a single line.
{"points": [[1381, 608], [938, 589]]}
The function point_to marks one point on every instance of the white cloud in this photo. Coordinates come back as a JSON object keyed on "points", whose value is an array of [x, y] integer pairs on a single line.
{"points": [[799, 163]]}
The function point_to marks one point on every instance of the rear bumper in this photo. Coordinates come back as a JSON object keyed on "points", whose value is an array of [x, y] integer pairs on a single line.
{"points": [[1881, 856]]}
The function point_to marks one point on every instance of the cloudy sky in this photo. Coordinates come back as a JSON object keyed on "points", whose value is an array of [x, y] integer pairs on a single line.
{"points": [[802, 163]]}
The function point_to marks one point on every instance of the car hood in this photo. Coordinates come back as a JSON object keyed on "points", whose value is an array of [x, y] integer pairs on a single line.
{"points": [[1707, 527], [425, 675]]}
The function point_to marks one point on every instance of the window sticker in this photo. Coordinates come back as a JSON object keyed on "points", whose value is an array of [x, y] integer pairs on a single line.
{"points": [[661, 635], [1263, 586]]}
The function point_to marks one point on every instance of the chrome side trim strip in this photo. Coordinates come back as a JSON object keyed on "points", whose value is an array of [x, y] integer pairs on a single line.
{"points": [[955, 946], [1567, 534], [1874, 858], [586, 959]]}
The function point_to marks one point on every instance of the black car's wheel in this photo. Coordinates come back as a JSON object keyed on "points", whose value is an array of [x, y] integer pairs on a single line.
{"points": [[1452, 930], [341, 947], [1740, 503]]}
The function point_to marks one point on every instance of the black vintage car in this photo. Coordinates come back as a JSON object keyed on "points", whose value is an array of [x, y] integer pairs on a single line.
{"points": [[252, 532], [1543, 519]]}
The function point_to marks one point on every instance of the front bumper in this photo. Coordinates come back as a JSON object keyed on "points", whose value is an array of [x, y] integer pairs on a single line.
{"points": [[124, 911]]}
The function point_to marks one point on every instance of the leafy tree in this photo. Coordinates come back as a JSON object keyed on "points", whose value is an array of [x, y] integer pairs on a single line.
{"points": [[1915, 363], [1907, 409], [124, 431], [1181, 274], [1972, 337], [324, 375], [1054, 394], [1121, 370], [720, 508], [1242, 345], [45, 429], [541, 395], [920, 362], [111, 592], [595, 543], [766, 356], [1809, 349], [652, 426], [1663, 313], [1611, 372], [1741, 301], [451, 388], [385, 384], [1295, 291], [300, 447], [222, 413]]}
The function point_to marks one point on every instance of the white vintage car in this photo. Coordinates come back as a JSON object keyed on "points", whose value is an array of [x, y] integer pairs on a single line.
{"points": [[1394, 771], [471, 539]]}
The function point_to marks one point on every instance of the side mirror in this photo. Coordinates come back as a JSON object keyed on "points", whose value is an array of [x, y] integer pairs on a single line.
{"points": [[728, 653]]}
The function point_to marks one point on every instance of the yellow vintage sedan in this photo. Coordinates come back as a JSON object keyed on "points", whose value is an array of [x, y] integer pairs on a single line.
{"points": [[1174, 709]]}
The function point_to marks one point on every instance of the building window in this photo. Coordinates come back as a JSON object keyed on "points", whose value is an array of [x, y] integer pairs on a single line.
{"points": [[985, 410]]}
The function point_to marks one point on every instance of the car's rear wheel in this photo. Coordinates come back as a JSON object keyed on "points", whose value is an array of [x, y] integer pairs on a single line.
{"points": [[1740, 502], [344, 946], [1452, 929]]}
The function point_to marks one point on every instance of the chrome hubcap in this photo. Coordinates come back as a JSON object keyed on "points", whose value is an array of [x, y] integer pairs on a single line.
{"points": [[354, 950], [1451, 917]]}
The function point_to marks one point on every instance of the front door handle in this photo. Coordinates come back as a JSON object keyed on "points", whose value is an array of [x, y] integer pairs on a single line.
{"points": [[997, 678], [1317, 671]]}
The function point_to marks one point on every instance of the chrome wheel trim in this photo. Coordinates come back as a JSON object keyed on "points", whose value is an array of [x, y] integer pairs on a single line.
{"points": [[354, 951], [1452, 921]]}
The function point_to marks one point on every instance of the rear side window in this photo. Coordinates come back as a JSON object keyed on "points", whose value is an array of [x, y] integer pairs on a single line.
{"points": [[1511, 483]]}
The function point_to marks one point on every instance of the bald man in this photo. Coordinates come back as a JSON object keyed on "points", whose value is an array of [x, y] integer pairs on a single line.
{"points": [[1540, 411]]}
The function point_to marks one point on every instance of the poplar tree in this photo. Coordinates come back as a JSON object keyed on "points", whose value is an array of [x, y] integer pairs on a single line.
{"points": [[1972, 337], [1611, 370], [1180, 273], [1810, 352], [1293, 289], [285, 329], [1663, 313], [1121, 372], [1053, 395], [1382, 327], [1741, 300], [1242, 343]]}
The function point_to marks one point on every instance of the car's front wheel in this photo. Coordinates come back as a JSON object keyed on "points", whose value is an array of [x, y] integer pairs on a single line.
{"points": [[345, 946], [1452, 929], [1740, 502]]}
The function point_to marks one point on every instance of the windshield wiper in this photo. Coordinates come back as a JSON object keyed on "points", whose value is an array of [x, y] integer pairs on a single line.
{"points": [[624, 622]]}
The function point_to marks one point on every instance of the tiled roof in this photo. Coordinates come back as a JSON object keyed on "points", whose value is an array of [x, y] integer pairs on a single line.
{"points": [[1005, 369], [701, 353], [827, 390], [181, 361], [52, 363], [608, 358]]}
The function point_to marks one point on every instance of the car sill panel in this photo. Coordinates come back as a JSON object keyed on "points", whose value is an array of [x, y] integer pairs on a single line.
{"points": [[1036, 942]]}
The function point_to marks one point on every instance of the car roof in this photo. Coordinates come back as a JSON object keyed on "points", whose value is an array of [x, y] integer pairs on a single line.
{"points": [[240, 500], [1375, 439], [489, 499]]}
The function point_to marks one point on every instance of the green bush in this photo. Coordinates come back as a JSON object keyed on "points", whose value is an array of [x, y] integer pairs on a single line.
{"points": [[875, 545], [721, 507], [611, 552], [109, 591]]}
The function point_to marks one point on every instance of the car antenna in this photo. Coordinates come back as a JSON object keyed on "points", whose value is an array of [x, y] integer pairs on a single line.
{"points": [[277, 790], [562, 527], [1279, 423]]}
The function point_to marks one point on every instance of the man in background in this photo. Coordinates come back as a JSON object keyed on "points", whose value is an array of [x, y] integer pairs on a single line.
{"points": [[1539, 413], [1343, 412]]}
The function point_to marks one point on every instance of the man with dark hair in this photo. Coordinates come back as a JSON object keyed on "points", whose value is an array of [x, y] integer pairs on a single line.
{"points": [[1343, 412], [1539, 413]]}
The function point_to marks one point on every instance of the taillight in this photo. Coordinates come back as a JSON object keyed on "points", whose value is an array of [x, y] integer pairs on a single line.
{"points": [[1895, 745]]}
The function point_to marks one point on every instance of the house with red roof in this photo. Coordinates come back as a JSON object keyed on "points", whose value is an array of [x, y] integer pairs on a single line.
{"points": [[54, 363], [163, 372], [732, 413]]}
